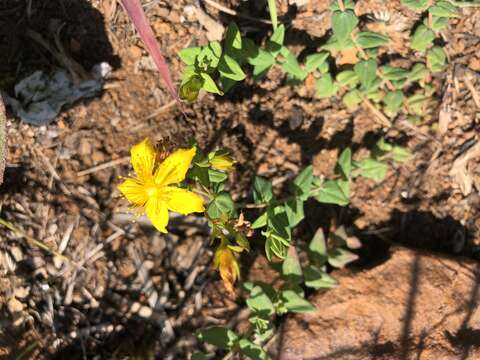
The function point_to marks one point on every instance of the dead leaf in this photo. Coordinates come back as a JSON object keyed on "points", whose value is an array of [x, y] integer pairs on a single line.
{"points": [[214, 29], [310, 82], [348, 56], [460, 172]]}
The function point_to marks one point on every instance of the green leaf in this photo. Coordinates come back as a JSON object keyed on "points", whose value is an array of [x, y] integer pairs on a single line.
{"points": [[189, 55], [343, 23], [275, 43], [344, 164], [317, 249], [436, 59], [278, 222], [443, 9], [302, 184], [334, 192], [216, 176], [318, 279], [315, 61], [229, 68], [393, 73], [383, 146], [227, 84], [416, 103], [291, 269], [216, 48], [233, 38], [393, 102], [262, 62], [338, 258], [438, 23], [209, 85], [262, 190], [418, 72], [296, 303], [291, 67], [294, 211], [326, 87], [369, 39], [351, 99], [372, 169], [220, 205], [348, 78], [401, 154], [259, 302], [274, 245], [261, 221], [218, 336], [253, 351], [416, 4], [334, 45], [422, 38], [208, 58], [366, 71]]}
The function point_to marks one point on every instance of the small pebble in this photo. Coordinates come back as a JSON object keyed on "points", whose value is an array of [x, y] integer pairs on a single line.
{"points": [[145, 312]]}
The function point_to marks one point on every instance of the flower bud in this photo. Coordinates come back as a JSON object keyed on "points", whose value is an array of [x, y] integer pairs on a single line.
{"points": [[221, 160]]}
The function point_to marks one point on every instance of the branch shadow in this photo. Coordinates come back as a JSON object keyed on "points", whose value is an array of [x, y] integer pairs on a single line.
{"points": [[426, 233]]}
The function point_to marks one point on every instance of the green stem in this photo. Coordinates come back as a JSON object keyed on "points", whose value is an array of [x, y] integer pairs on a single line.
{"points": [[205, 192], [235, 349], [272, 8]]}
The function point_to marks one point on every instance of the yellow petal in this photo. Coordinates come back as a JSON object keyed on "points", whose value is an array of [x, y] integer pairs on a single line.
{"points": [[157, 212], [182, 201], [134, 191], [174, 168], [227, 266], [143, 159]]}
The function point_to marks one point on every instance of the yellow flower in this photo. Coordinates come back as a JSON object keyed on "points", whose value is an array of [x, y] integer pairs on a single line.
{"points": [[227, 265], [153, 190]]}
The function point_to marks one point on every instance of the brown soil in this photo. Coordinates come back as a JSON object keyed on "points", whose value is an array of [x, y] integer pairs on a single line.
{"points": [[143, 294]]}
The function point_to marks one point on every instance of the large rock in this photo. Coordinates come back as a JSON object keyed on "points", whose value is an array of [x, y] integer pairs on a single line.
{"points": [[415, 305]]}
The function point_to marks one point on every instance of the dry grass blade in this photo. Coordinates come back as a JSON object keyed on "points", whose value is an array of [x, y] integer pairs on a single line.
{"points": [[3, 138], [31, 240]]}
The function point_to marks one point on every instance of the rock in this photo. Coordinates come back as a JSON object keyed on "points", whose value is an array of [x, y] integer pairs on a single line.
{"points": [[415, 305]]}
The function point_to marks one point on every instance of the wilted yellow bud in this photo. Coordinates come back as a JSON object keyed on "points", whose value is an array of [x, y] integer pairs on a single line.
{"points": [[227, 265], [221, 160], [189, 90]]}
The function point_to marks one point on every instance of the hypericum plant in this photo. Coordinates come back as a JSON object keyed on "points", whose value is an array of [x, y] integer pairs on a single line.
{"points": [[363, 76], [191, 181]]}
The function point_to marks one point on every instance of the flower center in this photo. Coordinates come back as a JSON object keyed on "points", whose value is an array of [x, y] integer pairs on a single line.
{"points": [[153, 191]]}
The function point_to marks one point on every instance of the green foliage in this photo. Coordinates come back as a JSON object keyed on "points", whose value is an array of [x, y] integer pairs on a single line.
{"points": [[422, 38], [343, 23], [394, 90], [365, 79], [219, 336], [416, 4]]}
